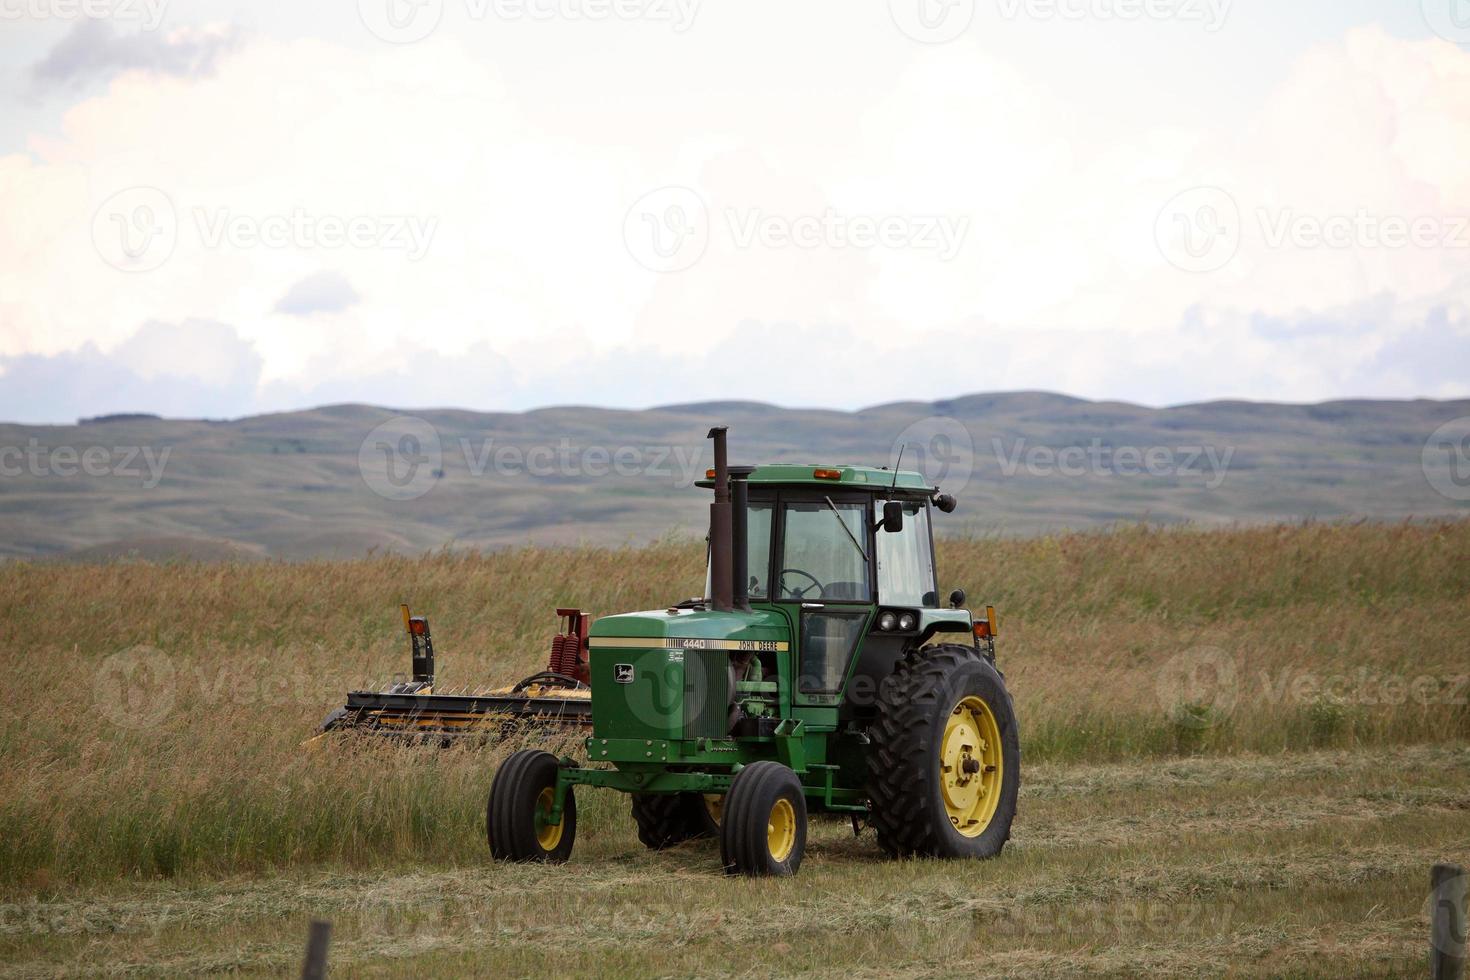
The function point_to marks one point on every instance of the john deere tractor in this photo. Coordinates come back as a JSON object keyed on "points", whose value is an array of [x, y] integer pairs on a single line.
{"points": [[819, 672]]}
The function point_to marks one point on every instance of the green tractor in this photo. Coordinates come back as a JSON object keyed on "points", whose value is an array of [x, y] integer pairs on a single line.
{"points": [[818, 673]]}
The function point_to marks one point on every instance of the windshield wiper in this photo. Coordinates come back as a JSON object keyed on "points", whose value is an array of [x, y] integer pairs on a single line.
{"points": [[850, 536]]}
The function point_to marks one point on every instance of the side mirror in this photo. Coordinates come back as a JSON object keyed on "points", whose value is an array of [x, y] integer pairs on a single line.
{"points": [[893, 516], [957, 599]]}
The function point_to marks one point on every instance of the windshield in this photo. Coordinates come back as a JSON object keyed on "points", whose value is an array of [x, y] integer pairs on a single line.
{"points": [[905, 562], [821, 556]]}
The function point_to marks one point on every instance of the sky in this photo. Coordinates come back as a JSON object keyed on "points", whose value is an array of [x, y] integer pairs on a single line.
{"points": [[219, 209]]}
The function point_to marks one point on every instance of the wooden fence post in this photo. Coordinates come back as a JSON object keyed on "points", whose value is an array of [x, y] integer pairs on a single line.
{"points": [[1447, 922], [315, 967]]}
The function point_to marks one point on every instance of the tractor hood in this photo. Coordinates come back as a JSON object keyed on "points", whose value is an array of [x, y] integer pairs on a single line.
{"points": [[664, 675], [661, 625]]}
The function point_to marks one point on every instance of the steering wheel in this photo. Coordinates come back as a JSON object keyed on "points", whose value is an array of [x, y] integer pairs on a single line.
{"points": [[794, 592]]}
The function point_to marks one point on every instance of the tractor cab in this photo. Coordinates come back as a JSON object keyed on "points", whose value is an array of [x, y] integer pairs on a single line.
{"points": [[844, 556]]}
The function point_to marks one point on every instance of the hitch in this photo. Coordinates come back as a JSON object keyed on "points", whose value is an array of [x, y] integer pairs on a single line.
{"points": [[569, 647]]}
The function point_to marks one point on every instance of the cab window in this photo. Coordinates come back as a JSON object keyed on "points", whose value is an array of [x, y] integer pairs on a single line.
{"points": [[758, 538], [905, 561], [824, 552], [758, 541]]}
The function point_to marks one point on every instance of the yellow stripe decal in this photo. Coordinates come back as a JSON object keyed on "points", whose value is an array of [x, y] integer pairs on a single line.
{"points": [[685, 643]]}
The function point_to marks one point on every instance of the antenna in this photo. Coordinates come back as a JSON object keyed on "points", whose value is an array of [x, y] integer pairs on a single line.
{"points": [[901, 447]]}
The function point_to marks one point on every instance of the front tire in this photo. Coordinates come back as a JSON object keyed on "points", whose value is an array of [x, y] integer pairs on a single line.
{"points": [[521, 796], [763, 823], [945, 761]]}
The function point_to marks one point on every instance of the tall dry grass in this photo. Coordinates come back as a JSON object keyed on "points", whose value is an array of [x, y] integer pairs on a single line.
{"points": [[157, 711]]}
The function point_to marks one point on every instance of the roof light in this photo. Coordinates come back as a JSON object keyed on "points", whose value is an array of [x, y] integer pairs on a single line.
{"points": [[709, 474], [827, 474]]}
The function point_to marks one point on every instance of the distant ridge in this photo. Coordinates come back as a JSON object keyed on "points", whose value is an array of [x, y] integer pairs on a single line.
{"points": [[120, 417], [293, 484]]}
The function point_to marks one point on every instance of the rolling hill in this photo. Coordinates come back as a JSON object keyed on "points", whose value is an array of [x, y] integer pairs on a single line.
{"points": [[348, 479]]}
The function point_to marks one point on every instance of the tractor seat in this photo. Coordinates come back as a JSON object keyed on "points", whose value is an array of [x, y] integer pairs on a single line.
{"points": [[845, 590]]}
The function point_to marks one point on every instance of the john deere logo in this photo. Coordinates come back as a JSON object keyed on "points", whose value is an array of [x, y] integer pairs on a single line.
{"points": [[623, 673]]}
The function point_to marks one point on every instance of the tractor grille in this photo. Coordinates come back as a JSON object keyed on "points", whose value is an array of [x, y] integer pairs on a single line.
{"points": [[706, 693]]}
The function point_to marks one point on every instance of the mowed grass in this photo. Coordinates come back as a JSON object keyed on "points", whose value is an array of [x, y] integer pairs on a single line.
{"points": [[1241, 746], [1306, 864]]}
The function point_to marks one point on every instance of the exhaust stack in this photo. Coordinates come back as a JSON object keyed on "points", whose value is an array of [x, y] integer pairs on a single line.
{"points": [[721, 531]]}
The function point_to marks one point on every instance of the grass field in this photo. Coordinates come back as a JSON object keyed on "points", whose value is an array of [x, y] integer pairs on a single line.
{"points": [[1243, 751]]}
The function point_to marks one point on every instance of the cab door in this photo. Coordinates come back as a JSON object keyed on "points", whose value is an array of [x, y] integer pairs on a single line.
{"points": [[824, 578]]}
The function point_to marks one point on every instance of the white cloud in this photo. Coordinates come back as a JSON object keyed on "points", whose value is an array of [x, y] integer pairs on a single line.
{"points": [[526, 292], [323, 292]]}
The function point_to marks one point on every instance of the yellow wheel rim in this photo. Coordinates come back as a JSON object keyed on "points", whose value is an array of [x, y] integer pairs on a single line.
{"points": [[781, 830], [548, 835], [714, 805], [971, 768]]}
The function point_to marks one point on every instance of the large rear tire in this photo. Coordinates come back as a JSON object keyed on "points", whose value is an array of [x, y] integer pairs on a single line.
{"points": [[763, 823], [666, 819], [945, 761], [521, 797]]}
